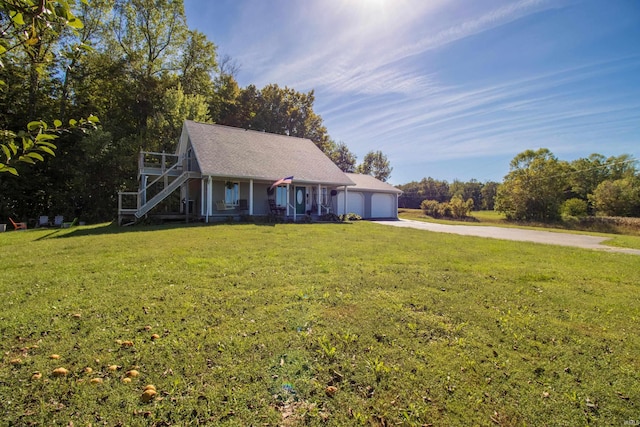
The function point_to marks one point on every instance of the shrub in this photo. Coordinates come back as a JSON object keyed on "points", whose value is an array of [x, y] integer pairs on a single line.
{"points": [[350, 217], [456, 208], [430, 208], [574, 208]]}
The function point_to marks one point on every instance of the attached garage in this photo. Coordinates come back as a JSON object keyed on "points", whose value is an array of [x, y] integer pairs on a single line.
{"points": [[384, 206], [355, 202], [369, 197]]}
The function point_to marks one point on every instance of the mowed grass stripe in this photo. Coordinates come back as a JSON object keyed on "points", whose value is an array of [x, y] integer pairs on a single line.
{"points": [[255, 322]]}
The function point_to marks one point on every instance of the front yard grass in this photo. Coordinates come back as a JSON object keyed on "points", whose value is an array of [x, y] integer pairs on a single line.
{"points": [[324, 324]]}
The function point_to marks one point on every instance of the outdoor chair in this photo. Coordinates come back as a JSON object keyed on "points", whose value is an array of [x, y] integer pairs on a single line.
{"points": [[243, 205], [222, 206], [58, 221], [18, 225], [43, 221], [275, 209]]}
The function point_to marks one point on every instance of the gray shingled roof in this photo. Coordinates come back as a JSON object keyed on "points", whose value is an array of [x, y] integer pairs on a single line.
{"points": [[369, 183], [229, 152]]}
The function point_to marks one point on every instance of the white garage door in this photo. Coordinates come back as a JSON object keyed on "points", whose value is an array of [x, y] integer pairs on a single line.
{"points": [[355, 203], [383, 206]]}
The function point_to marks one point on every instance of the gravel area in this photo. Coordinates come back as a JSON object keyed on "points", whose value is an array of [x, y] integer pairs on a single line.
{"points": [[518, 234]]}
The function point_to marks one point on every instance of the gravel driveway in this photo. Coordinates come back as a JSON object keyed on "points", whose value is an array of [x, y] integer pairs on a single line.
{"points": [[518, 234]]}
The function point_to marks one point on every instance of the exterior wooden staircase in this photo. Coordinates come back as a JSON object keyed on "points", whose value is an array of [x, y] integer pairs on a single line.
{"points": [[133, 205]]}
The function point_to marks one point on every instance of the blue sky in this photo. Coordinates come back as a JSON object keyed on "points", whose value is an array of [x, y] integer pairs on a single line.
{"points": [[447, 89]]}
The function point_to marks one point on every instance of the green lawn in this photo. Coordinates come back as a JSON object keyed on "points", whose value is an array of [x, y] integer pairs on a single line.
{"points": [[324, 324]]}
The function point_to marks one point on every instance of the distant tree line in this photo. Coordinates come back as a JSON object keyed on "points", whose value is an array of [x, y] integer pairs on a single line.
{"points": [[540, 187], [481, 194], [137, 67]]}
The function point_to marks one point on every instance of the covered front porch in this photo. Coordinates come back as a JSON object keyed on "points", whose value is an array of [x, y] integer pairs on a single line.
{"points": [[222, 197]]}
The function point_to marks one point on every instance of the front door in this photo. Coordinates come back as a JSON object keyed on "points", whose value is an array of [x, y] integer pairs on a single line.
{"points": [[301, 200]]}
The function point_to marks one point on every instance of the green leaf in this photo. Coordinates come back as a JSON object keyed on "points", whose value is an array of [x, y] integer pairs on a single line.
{"points": [[46, 144], [2, 49], [57, 123], [86, 47], [27, 144], [45, 137], [47, 150], [73, 122], [5, 168], [26, 159], [75, 23], [17, 18], [14, 148], [36, 156], [34, 125], [6, 151], [93, 119]]}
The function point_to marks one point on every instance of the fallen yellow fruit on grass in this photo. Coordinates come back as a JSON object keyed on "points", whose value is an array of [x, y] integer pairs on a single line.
{"points": [[113, 367], [54, 356], [88, 370], [15, 361], [155, 336], [60, 372], [331, 390], [96, 381], [36, 376], [126, 343], [132, 373], [126, 380], [148, 395]]}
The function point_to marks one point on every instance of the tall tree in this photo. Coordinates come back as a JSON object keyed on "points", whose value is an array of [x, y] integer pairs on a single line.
{"points": [[376, 164], [489, 192], [342, 157], [197, 65], [283, 111], [587, 174], [619, 197], [534, 188], [149, 34]]}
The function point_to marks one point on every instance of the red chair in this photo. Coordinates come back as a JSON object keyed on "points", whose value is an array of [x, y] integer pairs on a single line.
{"points": [[18, 225]]}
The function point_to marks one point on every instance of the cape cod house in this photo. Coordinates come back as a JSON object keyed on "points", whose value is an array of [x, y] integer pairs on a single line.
{"points": [[219, 172]]}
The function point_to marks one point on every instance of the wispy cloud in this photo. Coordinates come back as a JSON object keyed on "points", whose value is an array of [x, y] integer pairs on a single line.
{"points": [[370, 55], [505, 118]]}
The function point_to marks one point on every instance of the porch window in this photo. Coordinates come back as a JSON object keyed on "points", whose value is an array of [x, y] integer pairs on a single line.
{"points": [[281, 196], [325, 199], [231, 193]]}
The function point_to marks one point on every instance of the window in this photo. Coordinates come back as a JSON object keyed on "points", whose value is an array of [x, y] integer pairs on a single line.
{"points": [[281, 196], [231, 193], [325, 199]]}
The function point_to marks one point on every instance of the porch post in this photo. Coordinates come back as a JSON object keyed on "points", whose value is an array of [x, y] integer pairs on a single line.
{"points": [[319, 200], [250, 197], [186, 202], [203, 183], [288, 202], [209, 197], [345, 200]]}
